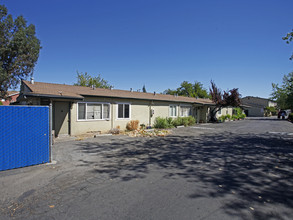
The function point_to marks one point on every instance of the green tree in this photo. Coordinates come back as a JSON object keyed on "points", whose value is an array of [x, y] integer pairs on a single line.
{"points": [[19, 50], [221, 99], [144, 89], [288, 38], [84, 79], [190, 90], [283, 94]]}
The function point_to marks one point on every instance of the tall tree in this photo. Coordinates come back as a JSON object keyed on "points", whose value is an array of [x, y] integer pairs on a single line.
{"points": [[284, 94], [144, 89], [19, 50], [84, 79], [288, 38], [189, 89], [223, 99]]}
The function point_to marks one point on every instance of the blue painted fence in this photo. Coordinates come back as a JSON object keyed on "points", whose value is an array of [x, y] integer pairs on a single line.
{"points": [[24, 136]]}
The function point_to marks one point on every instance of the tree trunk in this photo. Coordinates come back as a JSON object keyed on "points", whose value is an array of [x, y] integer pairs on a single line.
{"points": [[213, 113]]}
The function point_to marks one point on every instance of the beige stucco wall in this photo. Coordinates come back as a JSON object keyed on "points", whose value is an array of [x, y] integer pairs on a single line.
{"points": [[225, 111], [200, 113], [139, 110], [66, 121], [272, 104]]}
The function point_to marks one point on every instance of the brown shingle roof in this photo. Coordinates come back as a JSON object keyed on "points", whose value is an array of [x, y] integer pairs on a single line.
{"points": [[60, 90], [12, 93]]}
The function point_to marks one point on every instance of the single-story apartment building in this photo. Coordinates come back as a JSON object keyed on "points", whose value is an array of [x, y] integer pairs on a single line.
{"points": [[78, 110], [255, 106], [11, 98]]}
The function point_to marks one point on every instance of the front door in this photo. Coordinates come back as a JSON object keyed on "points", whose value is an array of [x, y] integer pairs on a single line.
{"points": [[61, 118]]}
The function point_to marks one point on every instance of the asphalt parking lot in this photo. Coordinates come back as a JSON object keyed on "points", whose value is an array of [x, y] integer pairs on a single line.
{"points": [[233, 170]]}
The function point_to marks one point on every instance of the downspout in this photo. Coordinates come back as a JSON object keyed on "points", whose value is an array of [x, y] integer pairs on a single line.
{"points": [[112, 115], [150, 113], [69, 118]]}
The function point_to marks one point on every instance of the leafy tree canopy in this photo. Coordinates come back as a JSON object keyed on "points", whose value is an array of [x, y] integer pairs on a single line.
{"points": [[283, 94], [84, 79], [19, 50], [223, 99], [190, 90], [288, 38]]}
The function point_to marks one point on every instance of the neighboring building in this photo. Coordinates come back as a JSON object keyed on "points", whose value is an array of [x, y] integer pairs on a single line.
{"points": [[256, 105], [78, 110], [11, 98], [225, 111]]}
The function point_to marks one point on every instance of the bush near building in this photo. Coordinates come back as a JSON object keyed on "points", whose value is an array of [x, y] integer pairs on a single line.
{"points": [[164, 123], [270, 110], [237, 114], [132, 125]]}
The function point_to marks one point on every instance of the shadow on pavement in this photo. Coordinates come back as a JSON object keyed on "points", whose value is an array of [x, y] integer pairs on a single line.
{"points": [[253, 170]]}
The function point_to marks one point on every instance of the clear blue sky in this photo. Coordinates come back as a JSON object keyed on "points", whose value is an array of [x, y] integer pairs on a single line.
{"points": [[158, 43]]}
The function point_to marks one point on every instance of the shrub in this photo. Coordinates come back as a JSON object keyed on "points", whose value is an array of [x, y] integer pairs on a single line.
{"points": [[242, 116], [290, 117], [222, 118], [191, 120], [237, 111], [227, 117], [177, 122], [132, 125], [237, 114], [186, 121], [142, 126], [1, 103], [169, 122], [234, 117], [270, 110], [161, 122]]}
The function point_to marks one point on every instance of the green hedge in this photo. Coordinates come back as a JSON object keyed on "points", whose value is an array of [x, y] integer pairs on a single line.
{"points": [[170, 122]]}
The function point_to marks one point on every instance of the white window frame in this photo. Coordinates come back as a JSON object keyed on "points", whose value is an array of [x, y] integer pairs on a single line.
{"points": [[185, 106], [173, 116], [102, 110], [117, 110]]}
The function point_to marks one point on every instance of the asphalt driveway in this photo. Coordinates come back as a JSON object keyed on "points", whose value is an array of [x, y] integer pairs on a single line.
{"points": [[233, 170]]}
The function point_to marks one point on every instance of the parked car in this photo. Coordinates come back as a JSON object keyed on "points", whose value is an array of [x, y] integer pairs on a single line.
{"points": [[282, 114]]}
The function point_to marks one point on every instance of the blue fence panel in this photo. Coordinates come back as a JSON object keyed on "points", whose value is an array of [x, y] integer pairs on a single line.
{"points": [[24, 136]]}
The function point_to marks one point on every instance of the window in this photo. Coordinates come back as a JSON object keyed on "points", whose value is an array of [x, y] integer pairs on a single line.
{"points": [[81, 111], [123, 111], [93, 111], [185, 111], [220, 112], [173, 111]]}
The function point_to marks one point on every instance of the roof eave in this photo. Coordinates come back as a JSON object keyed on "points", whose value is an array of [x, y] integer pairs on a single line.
{"points": [[52, 96], [149, 99]]}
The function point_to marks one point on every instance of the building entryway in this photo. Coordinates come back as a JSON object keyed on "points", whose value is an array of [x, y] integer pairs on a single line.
{"points": [[61, 118]]}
